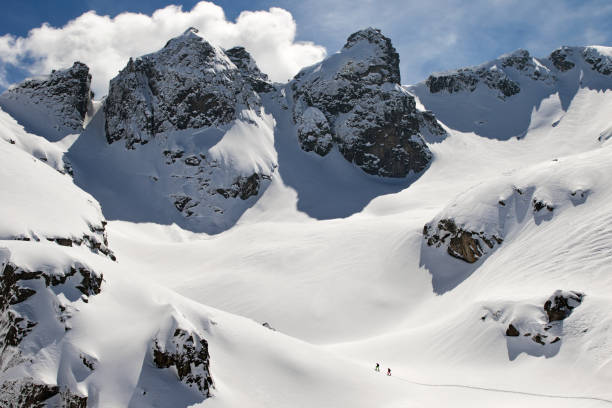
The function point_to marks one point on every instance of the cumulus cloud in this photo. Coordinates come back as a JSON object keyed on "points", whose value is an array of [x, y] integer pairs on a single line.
{"points": [[106, 44]]}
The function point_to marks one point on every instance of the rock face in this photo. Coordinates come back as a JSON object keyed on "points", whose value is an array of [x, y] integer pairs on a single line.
{"points": [[64, 95], [353, 100], [249, 70], [187, 84], [496, 75], [184, 102], [466, 245], [187, 352], [29, 394], [561, 303]]}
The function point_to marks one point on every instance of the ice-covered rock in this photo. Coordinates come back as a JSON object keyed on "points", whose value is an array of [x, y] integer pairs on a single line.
{"points": [[353, 100]]}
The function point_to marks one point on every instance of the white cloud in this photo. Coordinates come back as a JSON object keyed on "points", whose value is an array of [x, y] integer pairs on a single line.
{"points": [[105, 44]]}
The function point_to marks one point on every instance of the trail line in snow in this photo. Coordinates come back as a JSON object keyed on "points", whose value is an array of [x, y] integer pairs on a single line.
{"points": [[531, 394]]}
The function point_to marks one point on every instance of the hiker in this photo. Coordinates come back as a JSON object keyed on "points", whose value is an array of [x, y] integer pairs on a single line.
{"points": [[377, 367], [388, 371]]}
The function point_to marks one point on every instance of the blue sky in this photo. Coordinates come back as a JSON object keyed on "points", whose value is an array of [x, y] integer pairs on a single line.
{"points": [[430, 36]]}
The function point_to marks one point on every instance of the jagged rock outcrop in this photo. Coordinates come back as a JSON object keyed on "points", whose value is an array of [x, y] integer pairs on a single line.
{"points": [[187, 352], [463, 244], [497, 75], [27, 393], [353, 100], [492, 75], [559, 58], [561, 303], [249, 70], [565, 58], [64, 94], [25, 296], [187, 84]]}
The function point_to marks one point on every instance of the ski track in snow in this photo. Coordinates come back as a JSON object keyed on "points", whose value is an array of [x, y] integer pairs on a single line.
{"points": [[530, 394]]}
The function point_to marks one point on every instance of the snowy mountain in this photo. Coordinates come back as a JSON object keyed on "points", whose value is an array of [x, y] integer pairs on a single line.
{"points": [[204, 237], [497, 99]]}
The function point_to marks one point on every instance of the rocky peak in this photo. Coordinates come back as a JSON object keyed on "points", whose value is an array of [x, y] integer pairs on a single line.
{"points": [[518, 59], [64, 95], [353, 100], [380, 48], [187, 84]]}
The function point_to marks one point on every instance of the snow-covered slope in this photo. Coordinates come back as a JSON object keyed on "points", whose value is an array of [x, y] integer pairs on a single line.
{"points": [[481, 281]]}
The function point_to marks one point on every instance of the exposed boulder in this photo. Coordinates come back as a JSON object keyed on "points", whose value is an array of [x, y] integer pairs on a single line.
{"points": [[354, 100], [463, 244], [561, 303], [512, 331]]}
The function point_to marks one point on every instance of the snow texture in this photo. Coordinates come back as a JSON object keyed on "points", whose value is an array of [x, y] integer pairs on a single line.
{"points": [[349, 268]]}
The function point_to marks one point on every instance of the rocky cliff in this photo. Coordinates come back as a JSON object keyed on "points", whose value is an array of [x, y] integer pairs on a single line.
{"points": [[353, 100], [60, 101]]}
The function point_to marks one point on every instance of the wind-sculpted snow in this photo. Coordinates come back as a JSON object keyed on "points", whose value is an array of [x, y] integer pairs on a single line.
{"points": [[457, 278], [534, 327], [54, 105], [353, 100], [497, 99], [480, 220], [45, 205]]}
